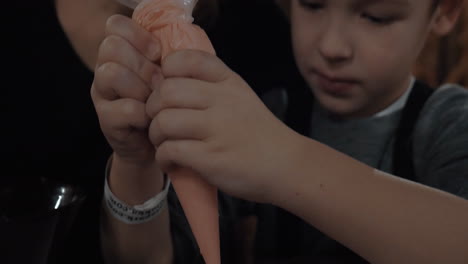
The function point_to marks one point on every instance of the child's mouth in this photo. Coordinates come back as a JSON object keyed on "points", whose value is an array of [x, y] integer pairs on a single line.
{"points": [[334, 85]]}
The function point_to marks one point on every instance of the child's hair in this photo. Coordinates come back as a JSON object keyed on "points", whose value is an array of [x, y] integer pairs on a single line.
{"points": [[445, 60]]}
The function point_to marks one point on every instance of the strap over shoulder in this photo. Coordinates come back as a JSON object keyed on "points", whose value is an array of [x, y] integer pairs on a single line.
{"points": [[403, 149]]}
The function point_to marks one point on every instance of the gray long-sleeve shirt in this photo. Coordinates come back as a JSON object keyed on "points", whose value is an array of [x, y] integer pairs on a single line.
{"points": [[440, 157], [440, 139]]}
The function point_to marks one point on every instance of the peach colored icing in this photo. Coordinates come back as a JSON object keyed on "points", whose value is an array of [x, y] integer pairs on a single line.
{"points": [[171, 22]]}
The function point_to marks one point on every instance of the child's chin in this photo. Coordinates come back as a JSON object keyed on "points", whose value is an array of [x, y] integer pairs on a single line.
{"points": [[339, 107]]}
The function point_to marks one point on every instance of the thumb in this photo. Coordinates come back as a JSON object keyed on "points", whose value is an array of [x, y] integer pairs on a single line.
{"points": [[173, 154], [197, 65]]}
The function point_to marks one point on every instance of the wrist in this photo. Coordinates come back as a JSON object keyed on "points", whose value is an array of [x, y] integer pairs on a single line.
{"points": [[134, 183], [293, 174], [135, 214]]}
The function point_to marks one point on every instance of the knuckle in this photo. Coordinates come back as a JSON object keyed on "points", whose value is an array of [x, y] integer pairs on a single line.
{"points": [[105, 76], [124, 27], [191, 57], [153, 47], [104, 115], [179, 60], [93, 91], [113, 22], [157, 132], [119, 137], [168, 151], [165, 93], [146, 70], [108, 71], [111, 44], [162, 122], [216, 148], [162, 154], [101, 108], [100, 112], [150, 107], [129, 108], [228, 74]]}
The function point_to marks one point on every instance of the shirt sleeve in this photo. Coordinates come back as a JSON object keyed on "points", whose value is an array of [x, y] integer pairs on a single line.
{"points": [[441, 141]]}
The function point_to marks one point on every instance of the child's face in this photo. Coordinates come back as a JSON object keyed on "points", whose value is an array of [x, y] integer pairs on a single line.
{"points": [[357, 55]]}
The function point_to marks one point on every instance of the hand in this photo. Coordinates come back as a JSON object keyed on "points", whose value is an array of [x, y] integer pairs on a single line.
{"points": [[205, 117], [124, 74]]}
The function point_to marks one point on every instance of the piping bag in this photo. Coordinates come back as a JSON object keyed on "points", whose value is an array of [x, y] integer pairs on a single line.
{"points": [[171, 22]]}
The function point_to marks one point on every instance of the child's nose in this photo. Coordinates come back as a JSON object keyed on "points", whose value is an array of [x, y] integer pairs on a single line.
{"points": [[334, 45]]}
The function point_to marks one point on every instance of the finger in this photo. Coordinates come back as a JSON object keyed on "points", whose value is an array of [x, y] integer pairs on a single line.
{"points": [[118, 50], [122, 114], [96, 97], [114, 81], [195, 64], [175, 124], [138, 37], [179, 93], [173, 154]]}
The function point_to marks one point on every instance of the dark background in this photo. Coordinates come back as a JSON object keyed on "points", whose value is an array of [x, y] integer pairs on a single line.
{"points": [[50, 135]]}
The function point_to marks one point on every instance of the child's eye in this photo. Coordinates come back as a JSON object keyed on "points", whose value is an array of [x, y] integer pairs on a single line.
{"points": [[378, 20], [312, 5]]}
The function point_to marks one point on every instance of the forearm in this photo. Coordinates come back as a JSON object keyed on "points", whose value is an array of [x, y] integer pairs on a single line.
{"points": [[383, 218], [148, 242]]}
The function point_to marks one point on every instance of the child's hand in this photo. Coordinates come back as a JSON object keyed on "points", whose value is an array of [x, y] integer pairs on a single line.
{"points": [[124, 75], [207, 118]]}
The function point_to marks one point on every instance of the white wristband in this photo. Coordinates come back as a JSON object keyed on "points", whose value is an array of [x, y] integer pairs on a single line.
{"points": [[136, 214]]}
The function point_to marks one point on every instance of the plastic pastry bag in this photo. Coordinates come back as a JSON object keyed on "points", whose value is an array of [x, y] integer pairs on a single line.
{"points": [[171, 22]]}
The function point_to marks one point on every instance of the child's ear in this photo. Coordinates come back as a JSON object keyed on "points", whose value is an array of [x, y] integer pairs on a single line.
{"points": [[446, 16]]}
